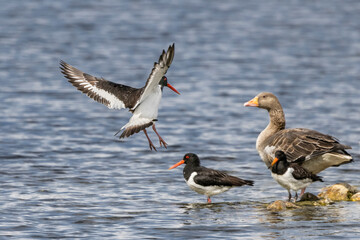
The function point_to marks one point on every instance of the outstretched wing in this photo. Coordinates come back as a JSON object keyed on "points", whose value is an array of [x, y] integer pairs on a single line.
{"points": [[159, 70], [113, 95]]}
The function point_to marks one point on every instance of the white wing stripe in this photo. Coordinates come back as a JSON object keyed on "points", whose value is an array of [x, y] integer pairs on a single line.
{"points": [[114, 102]]}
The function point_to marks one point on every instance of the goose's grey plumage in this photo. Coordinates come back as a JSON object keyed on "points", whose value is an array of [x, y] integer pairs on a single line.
{"points": [[319, 150]]}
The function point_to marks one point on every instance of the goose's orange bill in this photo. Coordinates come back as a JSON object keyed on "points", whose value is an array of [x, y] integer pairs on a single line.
{"points": [[252, 103]]}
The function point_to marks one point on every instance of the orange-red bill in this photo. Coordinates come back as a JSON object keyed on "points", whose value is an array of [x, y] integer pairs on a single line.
{"points": [[252, 103], [177, 164], [172, 88], [274, 161]]}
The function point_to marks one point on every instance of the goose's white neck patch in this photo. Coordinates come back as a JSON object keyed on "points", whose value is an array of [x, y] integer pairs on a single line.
{"points": [[270, 150]]}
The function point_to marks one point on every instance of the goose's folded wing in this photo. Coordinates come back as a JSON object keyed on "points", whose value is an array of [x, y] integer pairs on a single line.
{"points": [[299, 142]]}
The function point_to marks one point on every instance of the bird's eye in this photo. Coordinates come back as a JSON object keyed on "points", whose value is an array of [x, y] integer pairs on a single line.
{"points": [[264, 96], [187, 157]]}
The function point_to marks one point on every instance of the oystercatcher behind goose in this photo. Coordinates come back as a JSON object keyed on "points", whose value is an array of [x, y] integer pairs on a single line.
{"points": [[206, 181], [142, 102], [291, 176], [319, 150]]}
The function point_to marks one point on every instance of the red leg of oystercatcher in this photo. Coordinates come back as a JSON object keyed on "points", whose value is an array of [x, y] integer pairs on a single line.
{"points": [[151, 145], [208, 200], [160, 138], [302, 191]]}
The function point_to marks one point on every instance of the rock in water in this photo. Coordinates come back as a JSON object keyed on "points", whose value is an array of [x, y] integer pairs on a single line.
{"points": [[308, 197], [338, 192], [355, 197], [280, 205]]}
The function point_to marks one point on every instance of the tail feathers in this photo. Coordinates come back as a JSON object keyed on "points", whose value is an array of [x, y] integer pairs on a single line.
{"points": [[249, 182], [316, 178], [134, 129], [135, 125], [240, 182]]}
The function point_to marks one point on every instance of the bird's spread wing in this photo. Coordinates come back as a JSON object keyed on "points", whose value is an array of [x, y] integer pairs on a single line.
{"points": [[212, 177], [113, 95], [299, 142], [159, 70]]}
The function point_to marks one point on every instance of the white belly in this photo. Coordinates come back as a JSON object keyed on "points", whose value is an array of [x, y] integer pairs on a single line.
{"points": [[150, 106], [146, 111], [288, 182], [205, 190]]}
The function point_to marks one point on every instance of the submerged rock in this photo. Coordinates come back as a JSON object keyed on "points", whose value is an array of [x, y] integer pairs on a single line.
{"points": [[319, 202], [280, 205], [338, 192]]}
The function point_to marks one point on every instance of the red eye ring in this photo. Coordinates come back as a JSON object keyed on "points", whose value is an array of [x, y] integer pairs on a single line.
{"points": [[187, 157]]}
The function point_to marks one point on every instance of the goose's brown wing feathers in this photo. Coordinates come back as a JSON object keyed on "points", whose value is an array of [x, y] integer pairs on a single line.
{"points": [[300, 142]]}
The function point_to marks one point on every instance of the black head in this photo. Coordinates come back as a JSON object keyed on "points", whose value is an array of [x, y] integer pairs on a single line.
{"points": [[189, 158], [280, 155], [279, 165], [164, 83]]}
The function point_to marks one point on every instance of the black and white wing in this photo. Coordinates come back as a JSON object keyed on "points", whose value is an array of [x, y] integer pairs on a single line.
{"points": [[159, 70], [113, 95], [211, 177]]}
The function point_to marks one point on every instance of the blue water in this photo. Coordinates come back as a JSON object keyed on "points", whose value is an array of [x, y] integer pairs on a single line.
{"points": [[64, 174]]}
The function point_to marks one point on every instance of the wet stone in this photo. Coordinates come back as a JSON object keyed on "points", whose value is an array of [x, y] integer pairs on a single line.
{"points": [[355, 197], [280, 205], [338, 192], [308, 197]]}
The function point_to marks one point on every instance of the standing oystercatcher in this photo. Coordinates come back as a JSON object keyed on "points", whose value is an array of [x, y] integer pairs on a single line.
{"points": [[291, 176], [207, 181], [142, 102]]}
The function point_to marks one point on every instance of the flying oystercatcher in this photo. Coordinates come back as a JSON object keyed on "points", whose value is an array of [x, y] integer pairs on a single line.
{"points": [[143, 102], [291, 176], [206, 181]]}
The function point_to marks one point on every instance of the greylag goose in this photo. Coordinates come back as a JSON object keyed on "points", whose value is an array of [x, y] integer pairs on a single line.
{"points": [[291, 176], [319, 150]]}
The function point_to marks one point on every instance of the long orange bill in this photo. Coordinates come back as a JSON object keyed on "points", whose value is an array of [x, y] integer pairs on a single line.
{"points": [[178, 164], [274, 161], [252, 103], [172, 88]]}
